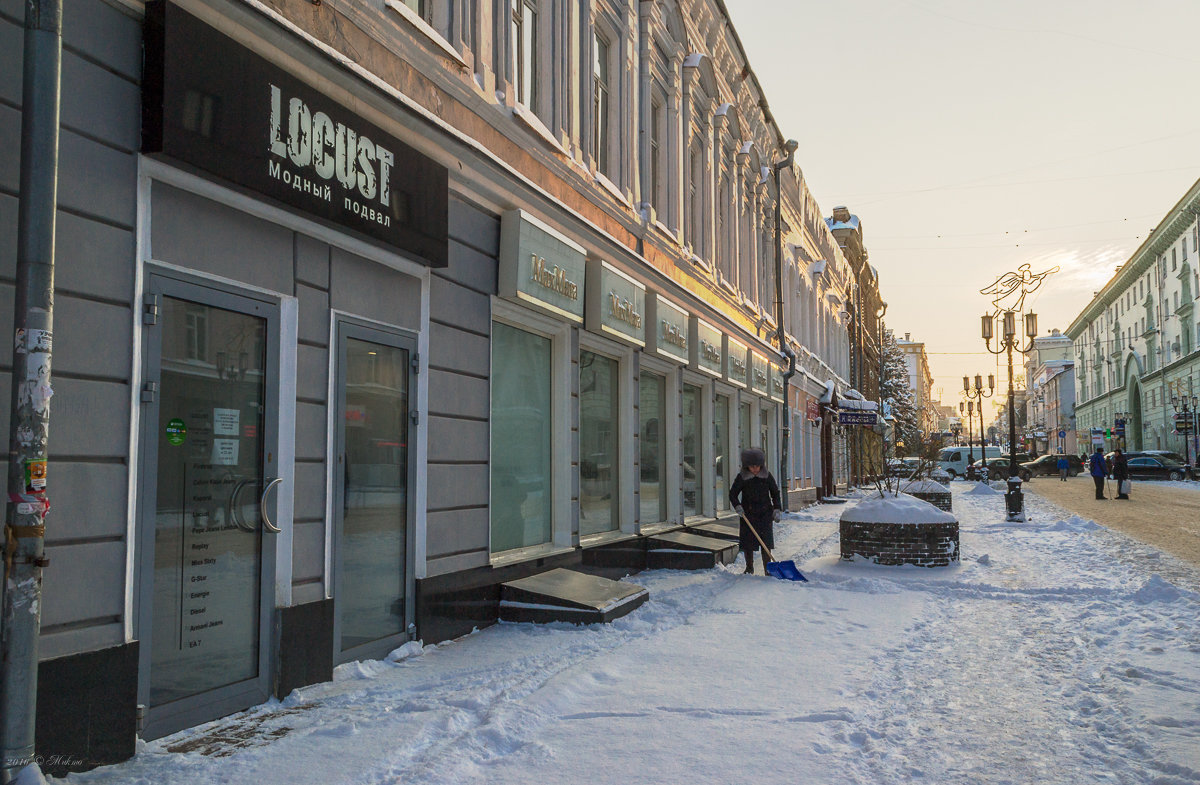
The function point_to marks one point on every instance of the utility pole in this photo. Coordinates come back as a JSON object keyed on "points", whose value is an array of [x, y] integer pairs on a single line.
{"points": [[29, 429]]}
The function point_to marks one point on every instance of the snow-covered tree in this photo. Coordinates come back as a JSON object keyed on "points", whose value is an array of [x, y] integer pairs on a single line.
{"points": [[895, 391]]}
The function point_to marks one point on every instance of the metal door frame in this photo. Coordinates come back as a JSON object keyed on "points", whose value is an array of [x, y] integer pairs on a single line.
{"points": [[405, 340], [186, 712]]}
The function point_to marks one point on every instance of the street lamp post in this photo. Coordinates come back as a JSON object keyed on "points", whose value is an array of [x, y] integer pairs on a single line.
{"points": [[969, 411], [974, 394], [1008, 343], [1187, 407], [789, 148]]}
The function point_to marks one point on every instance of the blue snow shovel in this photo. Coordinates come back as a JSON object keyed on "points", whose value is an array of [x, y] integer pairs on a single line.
{"points": [[783, 570]]}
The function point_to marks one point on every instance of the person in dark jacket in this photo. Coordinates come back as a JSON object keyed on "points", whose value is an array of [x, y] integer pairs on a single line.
{"points": [[1098, 469], [1120, 472], [755, 498]]}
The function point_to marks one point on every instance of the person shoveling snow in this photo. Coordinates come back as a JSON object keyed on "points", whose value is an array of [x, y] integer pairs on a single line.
{"points": [[755, 498]]}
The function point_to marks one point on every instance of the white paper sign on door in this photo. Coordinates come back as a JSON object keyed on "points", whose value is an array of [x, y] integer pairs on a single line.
{"points": [[225, 452], [226, 422]]}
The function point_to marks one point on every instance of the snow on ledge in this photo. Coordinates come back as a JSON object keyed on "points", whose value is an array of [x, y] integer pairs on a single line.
{"points": [[896, 508]]}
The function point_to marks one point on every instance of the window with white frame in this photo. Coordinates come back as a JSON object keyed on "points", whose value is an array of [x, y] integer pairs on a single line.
{"points": [[658, 150], [601, 102], [724, 258], [689, 211], [523, 46]]}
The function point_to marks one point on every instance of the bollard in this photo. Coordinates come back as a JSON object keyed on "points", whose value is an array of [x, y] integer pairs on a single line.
{"points": [[1014, 500]]}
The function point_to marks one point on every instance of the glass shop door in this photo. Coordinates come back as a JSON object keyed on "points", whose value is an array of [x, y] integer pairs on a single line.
{"points": [[373, 542], [207, 537]]}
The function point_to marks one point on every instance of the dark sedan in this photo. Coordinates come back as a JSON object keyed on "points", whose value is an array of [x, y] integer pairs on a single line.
{"points": [[1157, 467], [1047, 466], [998, 468]]}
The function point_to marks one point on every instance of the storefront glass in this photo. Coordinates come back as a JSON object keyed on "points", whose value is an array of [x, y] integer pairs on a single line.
{"points": [[745, 423], [693, 497], [652, 398], [721, 450], [520, 447], [599, 494], [764, 433]]}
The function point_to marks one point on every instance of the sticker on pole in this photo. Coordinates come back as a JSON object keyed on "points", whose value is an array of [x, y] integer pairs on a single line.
{"points": [[35, 475], [176, 431]]}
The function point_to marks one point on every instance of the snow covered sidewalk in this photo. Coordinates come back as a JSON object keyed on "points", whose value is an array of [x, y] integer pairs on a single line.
{"points": [[1049, 655]]}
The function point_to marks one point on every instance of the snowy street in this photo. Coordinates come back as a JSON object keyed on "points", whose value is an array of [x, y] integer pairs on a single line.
{"points": [[1055, 653]]}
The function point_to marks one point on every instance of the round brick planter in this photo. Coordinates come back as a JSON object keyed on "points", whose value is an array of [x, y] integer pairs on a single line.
{"points": [[933, 492], [899, 529]]}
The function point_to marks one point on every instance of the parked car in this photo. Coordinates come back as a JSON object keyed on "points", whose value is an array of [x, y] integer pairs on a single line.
{"points": [[1157, 467], [1047, 466], [953, 460], [997, 468], [1174, 456], [902, 467]]}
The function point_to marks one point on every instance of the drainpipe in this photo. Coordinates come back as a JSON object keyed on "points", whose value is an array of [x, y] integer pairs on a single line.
{"points": [[790, 147], [33, 312]]}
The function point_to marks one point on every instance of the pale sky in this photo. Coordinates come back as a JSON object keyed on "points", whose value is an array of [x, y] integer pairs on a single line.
{"points": [[972, 137]]}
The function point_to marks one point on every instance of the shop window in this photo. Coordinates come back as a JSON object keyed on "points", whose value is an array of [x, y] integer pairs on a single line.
{"points": [[652, 401], [721, 451], [521, 450], [764, 434], [693, 496], [745, 421], [599, 464]]}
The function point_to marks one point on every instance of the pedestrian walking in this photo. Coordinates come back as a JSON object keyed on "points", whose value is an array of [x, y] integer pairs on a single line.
{"points": [[755, 498], [1120, 473], [1063, 467], [1099, 470]]}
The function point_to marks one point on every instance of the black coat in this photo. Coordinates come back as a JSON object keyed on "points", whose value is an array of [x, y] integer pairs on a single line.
{"points": [[759, 497], [1120, 467]]}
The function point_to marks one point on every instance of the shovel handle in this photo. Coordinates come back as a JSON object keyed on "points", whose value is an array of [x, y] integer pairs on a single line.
{"points": [[754, 531]]}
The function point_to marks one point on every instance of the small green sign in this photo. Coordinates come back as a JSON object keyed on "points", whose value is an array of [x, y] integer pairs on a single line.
{"points": [[176, 431]]}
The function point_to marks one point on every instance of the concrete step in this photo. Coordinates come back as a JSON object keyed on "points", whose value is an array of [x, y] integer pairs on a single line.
{"points": [[720, 530], [566, 595], [685, 551]]}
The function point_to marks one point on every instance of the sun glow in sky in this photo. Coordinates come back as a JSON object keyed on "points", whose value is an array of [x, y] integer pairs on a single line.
{"points": [[971, 138]]}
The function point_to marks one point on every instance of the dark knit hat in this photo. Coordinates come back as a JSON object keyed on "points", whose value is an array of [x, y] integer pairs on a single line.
{"points": [[753, 456]]}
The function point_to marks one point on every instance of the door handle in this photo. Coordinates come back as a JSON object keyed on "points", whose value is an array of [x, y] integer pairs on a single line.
{"points": [[262, 507]]}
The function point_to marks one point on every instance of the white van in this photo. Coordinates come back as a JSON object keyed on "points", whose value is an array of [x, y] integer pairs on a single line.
{"points": [[953, 460]]}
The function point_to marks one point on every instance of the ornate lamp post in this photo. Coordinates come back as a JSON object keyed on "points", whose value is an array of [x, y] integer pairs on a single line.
{"points": [[1187, 407], [1007, 343], [974, 394], [969, 411]]}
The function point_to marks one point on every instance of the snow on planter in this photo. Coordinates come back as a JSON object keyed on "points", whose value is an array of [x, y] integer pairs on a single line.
{"points": [[897, 528], [927, 490]]}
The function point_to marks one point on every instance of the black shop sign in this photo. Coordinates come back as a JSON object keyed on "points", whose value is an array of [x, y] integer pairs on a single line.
{"points": [[211, 103]]}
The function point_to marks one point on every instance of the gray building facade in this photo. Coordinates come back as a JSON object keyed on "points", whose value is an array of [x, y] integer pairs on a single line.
{"points": [[345, 343]]}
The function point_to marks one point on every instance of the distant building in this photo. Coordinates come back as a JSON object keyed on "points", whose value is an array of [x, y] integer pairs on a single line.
{"points": [[1050, 405], [920, 381], [865, 308]]}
